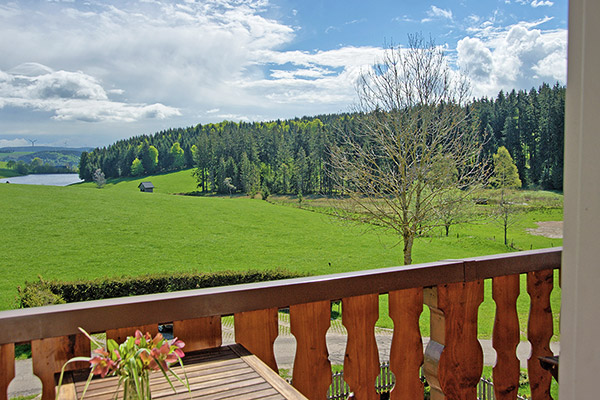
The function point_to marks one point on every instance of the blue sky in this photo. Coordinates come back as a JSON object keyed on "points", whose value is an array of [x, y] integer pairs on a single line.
{"points": [[87, 73]]}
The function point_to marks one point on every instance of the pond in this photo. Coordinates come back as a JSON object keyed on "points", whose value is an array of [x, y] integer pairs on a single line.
{"points": [[44, 179]]}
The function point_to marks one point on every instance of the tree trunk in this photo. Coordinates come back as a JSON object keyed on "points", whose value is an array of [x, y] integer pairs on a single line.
{"points": [[447, 229], [408, 243]]}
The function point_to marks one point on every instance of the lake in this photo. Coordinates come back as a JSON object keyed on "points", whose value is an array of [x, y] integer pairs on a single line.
{"points": [[44, 179]]}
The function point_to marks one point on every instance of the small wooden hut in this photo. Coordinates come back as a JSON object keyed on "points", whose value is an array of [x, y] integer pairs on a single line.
{"points": [[146, 187]]}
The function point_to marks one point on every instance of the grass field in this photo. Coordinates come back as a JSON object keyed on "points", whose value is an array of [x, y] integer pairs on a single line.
{"points": [[82, 232], [175, 182]]}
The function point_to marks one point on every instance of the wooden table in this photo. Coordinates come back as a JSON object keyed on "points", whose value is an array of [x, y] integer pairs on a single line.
{"points": [[230, 372]]}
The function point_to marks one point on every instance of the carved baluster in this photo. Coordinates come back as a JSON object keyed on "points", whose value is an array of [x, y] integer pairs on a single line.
{"points": [[49, 355], [406, 354], [7, 368], [539, 331], [453, 358], [312, 370], [505, 339], [257, 331], [199, 333], [119, 335], [361, 361]]}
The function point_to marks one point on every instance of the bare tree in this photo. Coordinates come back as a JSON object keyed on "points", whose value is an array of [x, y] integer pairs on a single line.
{"points": [[507, 212], [415, 143], [99, 178], [505, 177]]}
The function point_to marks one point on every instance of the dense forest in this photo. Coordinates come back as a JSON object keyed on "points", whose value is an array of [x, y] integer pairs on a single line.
{"points": [[292, 156]]}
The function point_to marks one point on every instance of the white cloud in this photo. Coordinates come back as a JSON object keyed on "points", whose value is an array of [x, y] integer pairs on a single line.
{"points": [[475, 58], [436, 12], [517, 56], [322, 77], [14, 142], [540, 3], [70, 96]]}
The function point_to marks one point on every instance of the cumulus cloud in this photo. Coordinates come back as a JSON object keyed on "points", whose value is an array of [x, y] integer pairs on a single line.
{"points": [[70, 96], [517, 56]]}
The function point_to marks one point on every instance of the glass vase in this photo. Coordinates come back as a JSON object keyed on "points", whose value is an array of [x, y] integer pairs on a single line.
{"points": [[130, 391]]}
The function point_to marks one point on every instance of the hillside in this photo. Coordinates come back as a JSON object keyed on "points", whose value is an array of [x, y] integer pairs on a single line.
{"points": [[174, 182], [55, 156]]}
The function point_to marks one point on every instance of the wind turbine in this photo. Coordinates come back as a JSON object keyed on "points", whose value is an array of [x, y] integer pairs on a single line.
{"points": [[32, 142]]}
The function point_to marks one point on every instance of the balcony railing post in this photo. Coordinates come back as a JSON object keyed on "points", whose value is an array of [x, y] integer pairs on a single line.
{"points": [[361, 360], [506, 336], [312, 370], [49, 355], [539, 331], [454, 358], [199, 333], [406, 353], [7, 368], [257, 331]]}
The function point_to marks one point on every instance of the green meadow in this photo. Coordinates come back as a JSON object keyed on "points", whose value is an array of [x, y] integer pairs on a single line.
{"points": [[175, 182], [81, 232]]}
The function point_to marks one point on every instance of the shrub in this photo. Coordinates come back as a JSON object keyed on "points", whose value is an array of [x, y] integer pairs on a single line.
{"points": [[37, 296], [43, 292]]}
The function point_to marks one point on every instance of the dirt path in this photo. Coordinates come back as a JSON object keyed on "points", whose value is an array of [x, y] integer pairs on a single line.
{"points": [[549, 229]]}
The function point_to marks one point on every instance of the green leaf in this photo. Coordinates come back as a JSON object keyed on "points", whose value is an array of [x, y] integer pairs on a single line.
{"points": [[111, 345]]}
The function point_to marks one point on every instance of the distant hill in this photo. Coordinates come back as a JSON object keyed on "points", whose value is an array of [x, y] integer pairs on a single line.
{"points": [[56, 156], [35, 149]]}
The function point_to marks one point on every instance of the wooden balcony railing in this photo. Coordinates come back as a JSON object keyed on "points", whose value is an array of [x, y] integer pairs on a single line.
{"points": [[452, 361]]}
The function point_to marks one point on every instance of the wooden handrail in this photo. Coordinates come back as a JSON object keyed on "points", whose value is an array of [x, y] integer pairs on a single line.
{"points": [[24, 325]]}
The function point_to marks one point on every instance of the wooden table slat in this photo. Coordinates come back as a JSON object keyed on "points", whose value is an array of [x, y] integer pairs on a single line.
{"points": [[262, 394], [254, 385]]}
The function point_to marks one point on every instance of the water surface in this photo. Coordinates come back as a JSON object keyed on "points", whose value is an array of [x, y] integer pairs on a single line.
{"points": [[44, 179]]}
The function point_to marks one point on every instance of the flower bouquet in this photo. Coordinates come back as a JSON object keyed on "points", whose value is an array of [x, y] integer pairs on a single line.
{"points": [[132, 361]]}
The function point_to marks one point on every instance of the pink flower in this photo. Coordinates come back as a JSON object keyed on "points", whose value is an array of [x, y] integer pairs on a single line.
{"points": [[177, 345], [101, 365], [157, 339]]}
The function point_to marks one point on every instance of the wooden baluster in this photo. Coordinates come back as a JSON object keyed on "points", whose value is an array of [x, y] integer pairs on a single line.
{"points": [[7, 368], [49, 355], [506, 336], [406, 354], [539, 331], [312, 370], [361, 361], [120, 334], [453, 358], [257, 331], [199, 333]]}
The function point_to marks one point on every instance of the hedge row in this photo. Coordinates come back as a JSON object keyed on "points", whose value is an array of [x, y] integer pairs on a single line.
{"points": [[42, 292]]}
